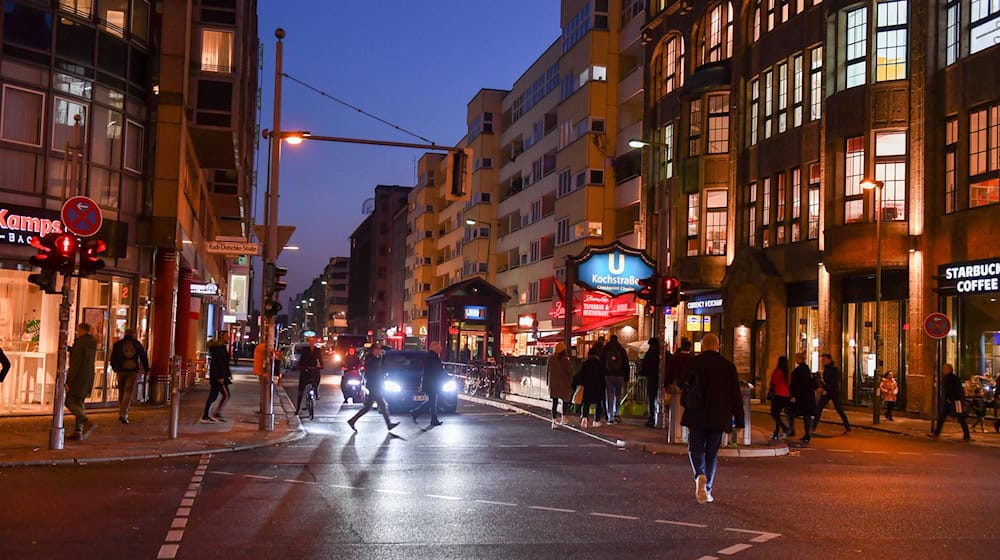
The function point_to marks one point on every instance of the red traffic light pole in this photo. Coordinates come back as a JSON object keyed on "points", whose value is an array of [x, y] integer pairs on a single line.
{"points": [[57, 434]]}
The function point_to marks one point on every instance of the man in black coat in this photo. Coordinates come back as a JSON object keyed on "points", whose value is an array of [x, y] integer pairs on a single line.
{"points": [[310, 365], [430, 382], [616, 370], [803, 401], [650, 369], [953, 402], [831, 393], [374, 382], [713, 405]]}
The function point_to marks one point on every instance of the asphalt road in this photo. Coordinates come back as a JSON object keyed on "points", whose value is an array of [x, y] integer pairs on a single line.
{"points": [[490, 484]]}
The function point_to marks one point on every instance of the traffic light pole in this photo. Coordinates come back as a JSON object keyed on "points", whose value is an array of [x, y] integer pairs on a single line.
{"points": [[57, 434]]}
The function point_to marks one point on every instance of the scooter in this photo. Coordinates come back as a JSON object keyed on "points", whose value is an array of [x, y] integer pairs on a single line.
{"points": [[352, 385]]}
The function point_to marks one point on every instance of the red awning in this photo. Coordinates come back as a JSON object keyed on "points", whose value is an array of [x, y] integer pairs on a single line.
{"points": [[583, 329]]}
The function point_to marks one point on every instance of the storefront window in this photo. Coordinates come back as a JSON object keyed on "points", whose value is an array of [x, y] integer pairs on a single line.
{"points": [[29, 333], [803, 334], [858, 363]]}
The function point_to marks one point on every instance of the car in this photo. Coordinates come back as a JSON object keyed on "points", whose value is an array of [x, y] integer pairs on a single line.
{"points": [[403, 372]]}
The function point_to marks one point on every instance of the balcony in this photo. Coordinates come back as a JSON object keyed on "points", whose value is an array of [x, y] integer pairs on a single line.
{"points": [[629, 37], [630, 86], [627, 193]]}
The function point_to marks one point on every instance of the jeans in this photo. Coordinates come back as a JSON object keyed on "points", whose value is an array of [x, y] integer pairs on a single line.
{"points": [[370, 400], [614, 385], [126, 391], [219, 387], [306, 378], [778, 406], [703, 451], [432, 404], [652, 391], [947, 409], [821, 404], [555, 407]]}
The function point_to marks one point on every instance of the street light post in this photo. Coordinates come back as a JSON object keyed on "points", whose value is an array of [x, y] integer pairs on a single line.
{"points": [[877, 186]]}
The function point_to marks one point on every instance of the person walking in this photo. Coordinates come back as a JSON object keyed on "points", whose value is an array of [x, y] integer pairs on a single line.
{"points": [[220, 377], [431, 381], [310, 366], [616, 370], [591, 377], [374, 381], [830, 393], [127, 357], [780, 398], [80, 379], [560, 372], [650, 369], [802, 400], [953, 403], [599, 345], [713, 405], [888, 390]]}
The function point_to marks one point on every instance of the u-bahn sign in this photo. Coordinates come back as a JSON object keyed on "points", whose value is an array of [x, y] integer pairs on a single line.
{"points": [[613, 269]]}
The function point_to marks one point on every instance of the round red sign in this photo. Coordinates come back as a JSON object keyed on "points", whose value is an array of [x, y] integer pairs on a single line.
{"points": [[82, 216], [937, 325]]}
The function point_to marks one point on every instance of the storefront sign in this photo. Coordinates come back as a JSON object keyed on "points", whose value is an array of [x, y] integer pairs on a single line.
{"points": [[475, 312], [694, 323], [613, 269], [705, 306], [233, 248], [18, 224], [595, 305], [973, 277], [526, 321], [204, 289]]}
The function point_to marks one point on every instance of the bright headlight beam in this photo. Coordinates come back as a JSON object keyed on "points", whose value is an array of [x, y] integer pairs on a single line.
{"points": [[392, 387], [450, 386]]}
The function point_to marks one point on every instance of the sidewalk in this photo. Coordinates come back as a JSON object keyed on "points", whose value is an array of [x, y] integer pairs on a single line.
{"points": [[632, 433], [905, 423], [24, 441]]}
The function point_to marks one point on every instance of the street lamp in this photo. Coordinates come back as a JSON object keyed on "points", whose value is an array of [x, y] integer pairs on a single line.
{"points": [[878, 187]]}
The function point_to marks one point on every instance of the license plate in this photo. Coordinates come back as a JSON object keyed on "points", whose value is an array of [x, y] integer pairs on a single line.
{"points": [[420, 397]]}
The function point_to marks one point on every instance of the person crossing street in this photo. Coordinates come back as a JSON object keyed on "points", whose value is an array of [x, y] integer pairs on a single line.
{"points": [[374, 381]]}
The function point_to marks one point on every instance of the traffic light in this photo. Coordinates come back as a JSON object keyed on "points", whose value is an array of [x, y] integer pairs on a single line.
{"points": [[273, 281], [457, 174], [271, 308], [89, 260], [647, 292], [56, 251], [671, 291], [46, 280]]}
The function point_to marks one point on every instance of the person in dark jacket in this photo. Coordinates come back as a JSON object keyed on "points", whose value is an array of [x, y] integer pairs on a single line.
{"points": [[650, 369], [614, 358], [713, 406], [127, 358], [431, 380], [591, 377], [310, 366], [830, 393], [80, 379], [803, 397], [953, 403], [560, 371], [676, 364], [351, 368], [219, 377], [374, 382]]}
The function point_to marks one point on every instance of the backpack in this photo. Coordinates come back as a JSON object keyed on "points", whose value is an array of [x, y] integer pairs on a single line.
{"points": [[613, 362], [694, 395], [130, 356]]}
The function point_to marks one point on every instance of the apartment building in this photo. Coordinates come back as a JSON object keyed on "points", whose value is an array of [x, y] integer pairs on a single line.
{"points": [[421, 250], [777, 115]]}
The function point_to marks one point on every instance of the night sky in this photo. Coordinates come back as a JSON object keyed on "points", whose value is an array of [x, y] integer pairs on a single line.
{"points": [[414, 63]]}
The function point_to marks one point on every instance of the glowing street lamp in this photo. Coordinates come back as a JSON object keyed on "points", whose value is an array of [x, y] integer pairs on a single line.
{"points": [[877, 186]]}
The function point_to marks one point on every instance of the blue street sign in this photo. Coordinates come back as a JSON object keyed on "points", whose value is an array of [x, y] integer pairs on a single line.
{"points": [[613, 269]]}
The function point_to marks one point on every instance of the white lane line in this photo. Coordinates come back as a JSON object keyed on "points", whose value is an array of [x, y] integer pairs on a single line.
{"points": [[168, 551], [258, 477], [909, 453], [492, 503], [613, 516], [345, 487], [558, 510], [197, 478], [396, 492], [440, 497], [876, 452], [729, 551], [298, 481], [191, 494], [681, 523], [591, 445], [183, 512], [944, 454], [223, 473], [179, 523], [841, 450], [513, 445], [709, 558], [762, 536], [174, 536], [553, 445], [187, 502]]}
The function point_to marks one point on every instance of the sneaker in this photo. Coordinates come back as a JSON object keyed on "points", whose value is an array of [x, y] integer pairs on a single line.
{"points": [[436, 423], [123, 419], [88, 428], [218, 418], [618, 419], [562, 420], [555, 424], [351, 424], [206, 420], [391, 425], [774, 437], [708, 497], [583, 422], [77, 434], [805, 439], [701, 489], [597, 424]]}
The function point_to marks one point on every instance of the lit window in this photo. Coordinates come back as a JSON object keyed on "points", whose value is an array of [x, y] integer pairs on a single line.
{"points": [[816, 83], [668, 66], [984, 25], [718, 124], [890, 40], [715, 34], [952, 33], [780, 209], [782, 97], [63, 123], [693, 223], [82, 8], [857, 46], [814, 182], [984, 156], [768, 102], [716, 218], [950, 161], [797, 90], [765, 212], [112, 16], [216, 51], [751, 210], [694, 134], [754, 110], [890, 168], [796, 204], [854, 171]]}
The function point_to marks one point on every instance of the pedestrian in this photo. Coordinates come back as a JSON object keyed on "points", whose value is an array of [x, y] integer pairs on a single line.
{"points": [[713, 405], [466, 355], [676, 365], [591, 377], [374, 381], [953, 403], [888, 390], [128, 357], [830, 393], [560, 372], [431, 380], [650, 369], [310, 366], [4, 365], [802, 401], [80, 379], [780, 397], [599, 345], [616, 370], [219, 378]]}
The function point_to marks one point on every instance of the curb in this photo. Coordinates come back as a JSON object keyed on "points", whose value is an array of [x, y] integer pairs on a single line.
{"points": [[652, 448]]}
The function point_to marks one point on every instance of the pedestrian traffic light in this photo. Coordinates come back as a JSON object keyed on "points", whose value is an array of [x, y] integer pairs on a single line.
{"points": [[671, 291], [56, 251], [90, 262], [277, 284], [647, 291], [46, 280]]}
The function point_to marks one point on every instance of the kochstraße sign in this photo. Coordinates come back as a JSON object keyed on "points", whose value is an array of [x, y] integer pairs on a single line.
{"points": [[971, 277], [613, 269]]}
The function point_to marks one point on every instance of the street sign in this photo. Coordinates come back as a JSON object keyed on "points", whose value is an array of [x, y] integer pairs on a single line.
{"points": [[284, 234], [234, 248], [937, 325], [613, 269], [82, 216]]}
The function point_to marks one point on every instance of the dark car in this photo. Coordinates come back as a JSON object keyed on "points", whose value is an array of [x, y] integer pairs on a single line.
{"points": [[402, 390]]}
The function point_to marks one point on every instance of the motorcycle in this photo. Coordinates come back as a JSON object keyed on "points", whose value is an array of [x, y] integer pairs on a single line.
{"points": [[353, 386]]}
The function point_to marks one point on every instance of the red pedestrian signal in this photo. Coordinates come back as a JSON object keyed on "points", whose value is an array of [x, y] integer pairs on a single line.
{"points": [[90, 261], [648, 290], [671, 291]]}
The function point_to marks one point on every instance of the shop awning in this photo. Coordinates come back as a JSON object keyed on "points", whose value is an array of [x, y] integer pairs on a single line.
{"points": [[583, 329]]}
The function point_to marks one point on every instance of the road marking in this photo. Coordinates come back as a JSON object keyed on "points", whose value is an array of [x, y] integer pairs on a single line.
{"points": [[558, 510], [179, 523], [492, 503], [174, 536], [347, 487], [397, 492], [440, 497], [298, 481], [709, 558], [553, 445], [514, 445], [841, 450], [183, 512], [168, 551], [943, 454], [171, 545], [191, 494], [614, 516], [762, 536], [729, 551], [258, 477], [909, 453], [681, 524], [187, 502], [876, 452]]}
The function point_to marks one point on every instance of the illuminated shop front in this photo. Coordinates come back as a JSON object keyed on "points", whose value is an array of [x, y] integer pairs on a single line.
{"points": [[970, 294]]}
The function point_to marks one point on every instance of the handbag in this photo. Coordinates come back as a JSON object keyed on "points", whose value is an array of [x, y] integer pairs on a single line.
{"points": [[770, 393], [578, 395]]}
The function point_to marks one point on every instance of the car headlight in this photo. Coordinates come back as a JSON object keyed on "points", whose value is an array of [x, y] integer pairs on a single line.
{"points": [[392, 387], [336, 358], [353, 382], [450, 386]]}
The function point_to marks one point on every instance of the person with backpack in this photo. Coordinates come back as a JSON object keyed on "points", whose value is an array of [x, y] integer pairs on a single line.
{"points": [[128, 357], [615, 362], [219, 378]]}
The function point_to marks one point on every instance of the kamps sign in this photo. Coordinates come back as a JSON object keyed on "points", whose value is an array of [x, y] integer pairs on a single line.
{"points": [[613, 269]]}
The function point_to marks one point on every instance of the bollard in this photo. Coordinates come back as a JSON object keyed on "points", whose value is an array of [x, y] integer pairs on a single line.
{"points": [[747, 390], [674, 415], [175, 398]]}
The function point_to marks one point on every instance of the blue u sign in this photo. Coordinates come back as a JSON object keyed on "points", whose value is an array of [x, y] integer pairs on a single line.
{"points": [[613, 269]]}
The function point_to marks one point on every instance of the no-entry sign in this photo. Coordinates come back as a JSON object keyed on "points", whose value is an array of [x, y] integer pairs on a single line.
{"points": [[82, 216], [937, 325]]}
